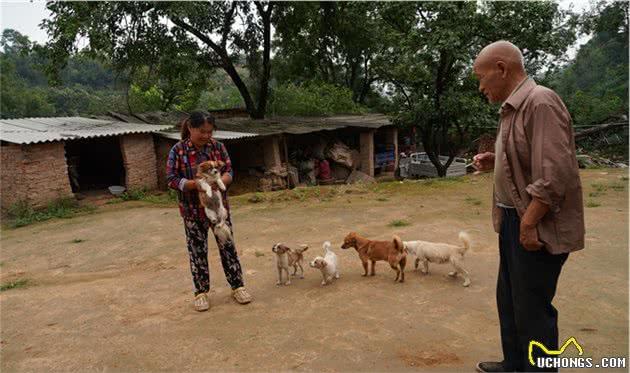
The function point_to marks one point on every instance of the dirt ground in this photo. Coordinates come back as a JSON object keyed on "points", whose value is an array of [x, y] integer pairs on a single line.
{"points": [[111, 291]]}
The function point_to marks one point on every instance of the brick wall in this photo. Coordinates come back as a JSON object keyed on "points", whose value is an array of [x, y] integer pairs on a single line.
{"points": [[12, 175], [139, 157], [37, 174]]}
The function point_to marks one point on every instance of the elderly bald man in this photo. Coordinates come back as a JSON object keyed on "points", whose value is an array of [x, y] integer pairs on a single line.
{"points": [[538, 211]]}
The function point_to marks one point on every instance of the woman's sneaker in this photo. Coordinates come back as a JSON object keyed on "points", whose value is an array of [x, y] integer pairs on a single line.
{"points": [[201, 302]]}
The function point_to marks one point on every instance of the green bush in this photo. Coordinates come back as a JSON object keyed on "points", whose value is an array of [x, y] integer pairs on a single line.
{"points": [[312, 99], [21, 214]]}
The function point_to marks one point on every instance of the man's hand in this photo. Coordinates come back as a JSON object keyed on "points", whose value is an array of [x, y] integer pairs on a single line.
{"points": [[483, 161], [529, 238], [529, 235]]}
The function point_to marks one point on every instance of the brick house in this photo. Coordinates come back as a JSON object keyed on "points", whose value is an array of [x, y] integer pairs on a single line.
{"points": [[43, 159]]}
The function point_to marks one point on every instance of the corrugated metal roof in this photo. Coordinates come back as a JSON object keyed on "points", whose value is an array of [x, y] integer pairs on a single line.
{"points": [[218, 134], [36, 130], [302, 125]]}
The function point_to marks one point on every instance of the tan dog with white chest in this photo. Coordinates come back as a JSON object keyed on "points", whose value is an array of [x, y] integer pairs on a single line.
{"points": [[287, 257], [392, 252]]}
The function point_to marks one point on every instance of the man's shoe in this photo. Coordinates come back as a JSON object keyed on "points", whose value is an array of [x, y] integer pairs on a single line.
{"points": [[490, 366]]}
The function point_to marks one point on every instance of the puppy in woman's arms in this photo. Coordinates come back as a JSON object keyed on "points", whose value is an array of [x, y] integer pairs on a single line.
{"points": [[441, 253], [209, 173]]}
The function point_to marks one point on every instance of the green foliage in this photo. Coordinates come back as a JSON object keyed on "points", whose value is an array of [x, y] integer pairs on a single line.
{"points": [[312, 99], [593, 203], [398, 223], [332, 42], [171, 45], [17, 284], [595, 85], [432, 45], [21, 214]]}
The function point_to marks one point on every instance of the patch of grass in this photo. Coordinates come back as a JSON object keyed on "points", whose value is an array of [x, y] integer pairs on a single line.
{"points": [[595, 194], [618, 186], [593, 203], [382, 199], [624, 178], [259, 254], [21, 214], [472, 200], [77, 240], [134, 195], [256, 198], [17, 284], [599, 187], [398, 223]]}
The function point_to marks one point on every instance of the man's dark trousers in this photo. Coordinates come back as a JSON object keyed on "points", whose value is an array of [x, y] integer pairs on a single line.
{"points": [[525, 289]]}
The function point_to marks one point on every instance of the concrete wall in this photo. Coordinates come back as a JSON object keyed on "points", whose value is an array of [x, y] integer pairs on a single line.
{"points": [[139, 157]]}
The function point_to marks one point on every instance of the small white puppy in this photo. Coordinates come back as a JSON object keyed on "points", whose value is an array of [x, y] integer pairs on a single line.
{"points": [[328, 265], [441, 253]]}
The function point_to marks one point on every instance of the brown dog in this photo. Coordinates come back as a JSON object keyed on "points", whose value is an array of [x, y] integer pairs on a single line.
{"points": [[287, 258], [392, 252]]}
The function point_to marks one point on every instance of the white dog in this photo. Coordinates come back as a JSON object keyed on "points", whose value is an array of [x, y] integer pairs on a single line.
{"points": [[209, 173], [441, 253], [328, 265]]}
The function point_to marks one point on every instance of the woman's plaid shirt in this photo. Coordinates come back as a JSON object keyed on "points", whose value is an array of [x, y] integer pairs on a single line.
{"points": [[182, 164]]}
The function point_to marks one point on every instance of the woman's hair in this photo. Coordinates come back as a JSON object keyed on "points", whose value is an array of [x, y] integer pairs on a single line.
{"points": [[196, 119]]}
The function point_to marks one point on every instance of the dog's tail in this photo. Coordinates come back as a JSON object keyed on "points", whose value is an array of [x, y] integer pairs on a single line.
{"points": [[327, 247], [302, 248], [398, 244], [465, 238]]}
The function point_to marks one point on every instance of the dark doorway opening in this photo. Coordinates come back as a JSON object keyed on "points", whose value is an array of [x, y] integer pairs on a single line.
{"points": [[95, 164]]}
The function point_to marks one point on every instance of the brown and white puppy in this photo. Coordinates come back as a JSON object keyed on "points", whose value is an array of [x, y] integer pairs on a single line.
{"points": [[286, 258], [392, 252], [209, 173]]}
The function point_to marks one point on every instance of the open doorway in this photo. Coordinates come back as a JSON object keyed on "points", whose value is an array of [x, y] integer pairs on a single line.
{"points": [[94, 164]]}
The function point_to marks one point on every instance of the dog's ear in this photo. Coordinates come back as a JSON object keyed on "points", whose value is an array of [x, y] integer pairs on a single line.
{"points": [[220, 164], [275, 248]]}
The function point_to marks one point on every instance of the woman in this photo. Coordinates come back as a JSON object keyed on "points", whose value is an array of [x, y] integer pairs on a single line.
{"points": [[197, 146]]}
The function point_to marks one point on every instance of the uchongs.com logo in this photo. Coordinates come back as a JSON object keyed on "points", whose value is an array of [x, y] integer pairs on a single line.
{"points": [[553, 358]]}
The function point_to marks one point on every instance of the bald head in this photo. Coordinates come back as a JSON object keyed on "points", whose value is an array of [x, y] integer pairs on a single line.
{"points": [[502, 51], [499, 68]]}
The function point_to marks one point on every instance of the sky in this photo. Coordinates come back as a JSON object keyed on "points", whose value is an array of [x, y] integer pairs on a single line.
{"points": [[25, 17]]}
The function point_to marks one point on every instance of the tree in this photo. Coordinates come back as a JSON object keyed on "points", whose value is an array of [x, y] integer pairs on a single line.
{"points": [[330, 42], [595, 85], [176, 39], [428, 60]]}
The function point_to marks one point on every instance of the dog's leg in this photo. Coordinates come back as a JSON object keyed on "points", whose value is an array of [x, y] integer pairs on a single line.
{"points": [[365, 268], [425, 267], [458, 266], [417, 263], [372, 273], [288, 282], [294, 269], [279, 276], [395, 268], [403, 263], [336, 274], [324, 282], [220, 184], [301, 270]]}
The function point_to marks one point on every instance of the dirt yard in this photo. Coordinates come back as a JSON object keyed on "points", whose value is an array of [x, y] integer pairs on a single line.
{"points": [[111, 291]]}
